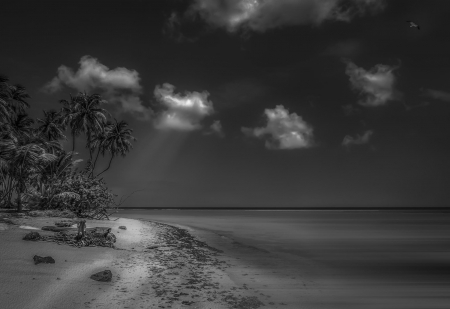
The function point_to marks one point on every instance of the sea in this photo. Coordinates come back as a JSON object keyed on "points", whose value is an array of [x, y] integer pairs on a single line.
{"points": [[348, 258]]}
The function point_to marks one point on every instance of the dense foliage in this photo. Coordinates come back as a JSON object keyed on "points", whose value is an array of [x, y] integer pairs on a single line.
{"points": [[34, 167]]}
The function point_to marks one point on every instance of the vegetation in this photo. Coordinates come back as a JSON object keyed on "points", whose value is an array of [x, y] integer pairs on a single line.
{"points": [[37, 171]]}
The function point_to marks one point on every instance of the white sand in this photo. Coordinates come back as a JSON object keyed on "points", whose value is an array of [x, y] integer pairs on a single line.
{"points": [[142, 278]]}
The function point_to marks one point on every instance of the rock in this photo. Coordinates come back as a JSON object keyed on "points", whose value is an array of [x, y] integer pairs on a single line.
{"points": [[104, 276], [122, 227], [46, 259], [32, 236]]}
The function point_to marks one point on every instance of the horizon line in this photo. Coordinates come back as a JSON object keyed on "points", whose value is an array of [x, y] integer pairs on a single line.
{"points": [[385, 208]]}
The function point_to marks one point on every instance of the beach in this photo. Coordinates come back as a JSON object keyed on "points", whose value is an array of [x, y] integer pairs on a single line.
{"points": [[152, 267], [219, 259]]}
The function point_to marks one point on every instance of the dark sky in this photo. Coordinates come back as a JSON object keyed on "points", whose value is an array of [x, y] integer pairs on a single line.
{"points": [[252, 103]]}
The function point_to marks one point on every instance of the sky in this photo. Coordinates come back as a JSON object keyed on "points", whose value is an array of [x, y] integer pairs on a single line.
{"points": [[251, 103]]}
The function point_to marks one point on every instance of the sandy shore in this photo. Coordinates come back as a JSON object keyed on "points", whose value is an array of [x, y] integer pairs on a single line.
{"points": [[154, 265]]}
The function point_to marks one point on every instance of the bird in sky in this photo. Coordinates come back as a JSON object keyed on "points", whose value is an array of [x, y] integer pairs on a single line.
{"points": [[413, 24]]}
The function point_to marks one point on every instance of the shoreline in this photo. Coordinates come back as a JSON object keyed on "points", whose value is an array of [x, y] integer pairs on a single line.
{"points": [[158, 265]]}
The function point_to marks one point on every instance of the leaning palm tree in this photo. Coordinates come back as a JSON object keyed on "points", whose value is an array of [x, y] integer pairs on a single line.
{"points": [[118, 141], [98, 140], [51, 126]]}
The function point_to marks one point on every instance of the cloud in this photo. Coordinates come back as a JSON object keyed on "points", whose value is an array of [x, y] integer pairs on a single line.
{"points": [[118, 86], [437, 94], [358, 140], [184, 112], [376, 86], [285, 131], [261, 15], [216, 129], [172, 29]]}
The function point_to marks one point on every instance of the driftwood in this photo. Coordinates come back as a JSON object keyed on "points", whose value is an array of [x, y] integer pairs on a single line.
{"points": [[77, 237], [81, 230]]}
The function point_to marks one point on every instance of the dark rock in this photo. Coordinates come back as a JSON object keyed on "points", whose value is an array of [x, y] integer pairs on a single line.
{"points": [[46, 259], [32, 236], [122, 227], [104, 276]]}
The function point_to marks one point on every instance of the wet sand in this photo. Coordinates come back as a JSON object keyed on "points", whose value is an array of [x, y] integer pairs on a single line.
{"points": [[331, 259]]}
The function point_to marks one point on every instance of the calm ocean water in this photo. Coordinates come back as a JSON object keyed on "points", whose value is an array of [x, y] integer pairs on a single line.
{"points": [[366, 259]]}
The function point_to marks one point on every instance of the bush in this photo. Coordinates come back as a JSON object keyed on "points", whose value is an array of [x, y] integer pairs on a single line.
{"points": [[52, 213]]}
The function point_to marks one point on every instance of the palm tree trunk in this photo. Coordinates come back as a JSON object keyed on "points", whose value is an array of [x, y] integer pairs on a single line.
{"points": [[109, 165], [19, 200], [89, 144], [73, 141], [95, 162]]}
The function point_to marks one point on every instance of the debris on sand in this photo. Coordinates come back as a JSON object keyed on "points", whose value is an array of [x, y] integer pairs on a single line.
{"points": [[40, 259], [122, 227], [103, 276], [64, 223], [95, 237], [250, 302]]}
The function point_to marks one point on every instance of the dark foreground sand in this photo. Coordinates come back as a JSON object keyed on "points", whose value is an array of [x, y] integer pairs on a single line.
{"points": [[154, 265]]}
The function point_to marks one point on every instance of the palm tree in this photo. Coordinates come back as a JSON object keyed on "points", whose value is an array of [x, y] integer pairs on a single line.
{"points": [[98, 141], [5, 109], [118, 141], [51, 126], [12, 99], [67, 112], [19, 126], [26, 161], [83, 114]]}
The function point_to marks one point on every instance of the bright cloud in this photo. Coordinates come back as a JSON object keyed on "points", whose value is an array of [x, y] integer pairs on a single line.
{"points": [[260, 15], [437, 94], [118, 86], [358, 140], [376, 86], [285, 131], [184, 112]]}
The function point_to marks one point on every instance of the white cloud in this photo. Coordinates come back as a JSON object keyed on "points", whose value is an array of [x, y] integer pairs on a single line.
{"points": [[184, 112], [118, 86], [437, 94], [358, 140], [285, 131], [376, 86], [260, 15]]}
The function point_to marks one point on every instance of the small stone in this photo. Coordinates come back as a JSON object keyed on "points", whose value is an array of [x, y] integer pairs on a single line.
{"points": [[104, 276], [32, 236], [122, 227], [47, 259]]}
